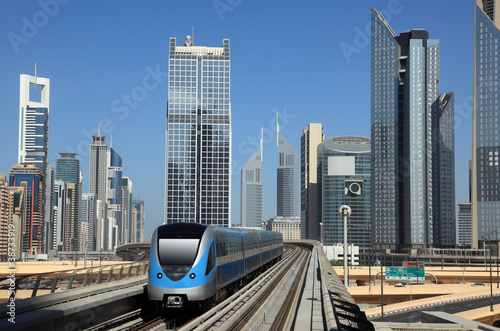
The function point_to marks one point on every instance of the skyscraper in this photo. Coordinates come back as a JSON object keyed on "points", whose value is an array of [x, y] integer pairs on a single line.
{"points": [[34, 116], [344, 171], [127, 197], [4, 217], [139, 218], [114, 199], [30, 178], [59, 214], [98, 170], [68, 171], [251, 190], [412, 141], [485, 118], [198, 134], [287, 177], [89, 216], [312, 136]]}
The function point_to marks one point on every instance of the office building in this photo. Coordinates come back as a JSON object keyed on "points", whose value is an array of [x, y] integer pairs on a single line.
{"points": [[287, 177], [98, 179], [485, 122], [198, 134], [412, 141], [251, 190], [344, 178], [59, 214], [312, 136], [289, 227], [114, 200], [34, 118], [30, 178], [464, 224], [68, 171], [89, 216], [138, 220], [4, 217], [16, 213], [127, 197]]}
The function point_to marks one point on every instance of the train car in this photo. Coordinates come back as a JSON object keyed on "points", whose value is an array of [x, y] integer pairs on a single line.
{"points": [[200, 264]]}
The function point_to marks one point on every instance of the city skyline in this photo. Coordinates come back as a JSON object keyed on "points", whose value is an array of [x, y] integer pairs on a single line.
{"points": [[327, 98]]}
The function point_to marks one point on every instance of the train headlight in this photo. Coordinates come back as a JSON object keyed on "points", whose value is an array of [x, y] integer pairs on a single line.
{"points": [[160, 275], [192, 276]]}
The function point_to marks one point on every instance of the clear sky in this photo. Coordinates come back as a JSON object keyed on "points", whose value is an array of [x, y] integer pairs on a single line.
{"points": [[309, 60]]}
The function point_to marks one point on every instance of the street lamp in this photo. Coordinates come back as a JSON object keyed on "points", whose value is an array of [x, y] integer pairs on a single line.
{"points": [[345, 212], [321, 233]]}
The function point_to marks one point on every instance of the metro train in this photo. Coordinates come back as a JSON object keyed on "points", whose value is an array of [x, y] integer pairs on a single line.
{"points": [[196, 264]]}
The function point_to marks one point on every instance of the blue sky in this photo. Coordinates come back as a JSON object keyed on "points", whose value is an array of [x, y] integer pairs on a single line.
{"points": [[309, 60]]}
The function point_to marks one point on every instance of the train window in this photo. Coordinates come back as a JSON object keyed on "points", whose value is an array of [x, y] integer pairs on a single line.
{"points": [[211, 259], [177, 251]]}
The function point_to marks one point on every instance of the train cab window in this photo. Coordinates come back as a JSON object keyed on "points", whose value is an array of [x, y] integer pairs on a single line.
{"points": [[211, 259]]}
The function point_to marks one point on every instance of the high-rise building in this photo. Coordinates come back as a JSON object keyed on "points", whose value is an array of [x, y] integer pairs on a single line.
{"points": [[312, 136], [4, 217], [251, 190], [287, 177], [59, 215], [198, 134], [68, 171], [127, 197], [17, 212], [344, 171], [34, 116], [139, 214], [114, 199], [98, 169], [412, 141], [30, 178], [89, 216], [464, 224], [485, 118]]}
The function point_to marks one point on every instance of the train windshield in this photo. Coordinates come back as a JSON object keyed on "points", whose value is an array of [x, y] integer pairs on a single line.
{"points": [[177, 256], [177, 251]]}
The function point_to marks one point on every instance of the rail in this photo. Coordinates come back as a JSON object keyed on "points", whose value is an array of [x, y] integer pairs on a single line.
{"points": [[74, 278]]}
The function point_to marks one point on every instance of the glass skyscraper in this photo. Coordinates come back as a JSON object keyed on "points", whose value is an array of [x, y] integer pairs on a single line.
{"points": [[68, 171], [98, 178], [287, 177], [412, 141], [344, 171], [485, 122], [251, 191], [114, 200], [312, 136], [198, 134]]}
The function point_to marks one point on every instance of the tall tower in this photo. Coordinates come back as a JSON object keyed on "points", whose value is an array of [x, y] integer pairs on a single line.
{"points": [[30, 178], [251, 190], [68, 171], [97, 185], [411, 133], [89, 217], [485, 118], [114, 200], [344, 171], [34, 118], [198, 134], [312, 136], [287, 189]]}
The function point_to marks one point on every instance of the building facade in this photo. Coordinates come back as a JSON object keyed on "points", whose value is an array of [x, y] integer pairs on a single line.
{"points": [[312, 136], [4, 217], [464, 224], [139, 218], [251, 190], [89, 216], [127, 226], [287, 177], [59, 215], [30, 178], [412, 141], [114, 200], [198, 134], [98, 179], [34, 120], [344, 178], [485, 118], [68, 171], [289, 227]]}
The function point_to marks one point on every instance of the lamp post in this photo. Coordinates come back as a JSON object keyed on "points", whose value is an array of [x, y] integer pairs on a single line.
{"points": [[345, 212], [321, 233]]}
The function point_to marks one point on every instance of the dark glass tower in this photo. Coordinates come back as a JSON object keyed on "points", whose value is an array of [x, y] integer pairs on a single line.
{"points": [[485, 122], [198, 134], [412, 141]]}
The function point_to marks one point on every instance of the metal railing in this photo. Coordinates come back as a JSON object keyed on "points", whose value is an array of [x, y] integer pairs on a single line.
{"points": [[75, 278]]}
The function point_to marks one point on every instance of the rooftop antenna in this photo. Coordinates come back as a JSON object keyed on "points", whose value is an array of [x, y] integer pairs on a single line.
{"points": [[261, 145], [277, 130], [35, 76], [192, 35], [98, 129], [110, 141]]}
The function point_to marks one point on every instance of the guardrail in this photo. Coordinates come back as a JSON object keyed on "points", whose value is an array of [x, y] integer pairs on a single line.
{"points": [[74, 278]]}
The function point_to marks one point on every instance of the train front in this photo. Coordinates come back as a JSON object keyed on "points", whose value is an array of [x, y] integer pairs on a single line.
{"points": [[182, 264]]}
